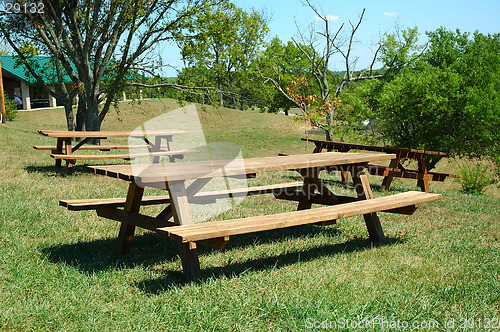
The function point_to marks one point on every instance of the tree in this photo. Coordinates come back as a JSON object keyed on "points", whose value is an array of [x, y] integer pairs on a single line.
{"points": [[283, 62], [96, 43], [218, 48], [321, 47], [448, 99]]}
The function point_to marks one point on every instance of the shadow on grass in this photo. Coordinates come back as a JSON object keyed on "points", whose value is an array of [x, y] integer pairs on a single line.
{"points": [[150, 249], [53, 171], [99, 255], [175, 278], [375, 186]]}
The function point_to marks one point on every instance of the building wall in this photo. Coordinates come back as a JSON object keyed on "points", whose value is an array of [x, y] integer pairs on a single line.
{"points": [[38, 96]]}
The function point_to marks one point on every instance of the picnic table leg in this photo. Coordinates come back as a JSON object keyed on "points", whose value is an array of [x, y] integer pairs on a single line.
{"points": [[189, 260], [182, 216], [170, 148], [157, 148], [68, 146], [311, 183], [318, 147], [132, 204], [344, 174], [363, 190], [386, 183], [422, 169], [59, 150], [304, 202]]}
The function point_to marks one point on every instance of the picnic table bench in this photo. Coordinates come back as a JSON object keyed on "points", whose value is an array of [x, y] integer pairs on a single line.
{"points": [[395, 168], [175, 177], [64, 149]]}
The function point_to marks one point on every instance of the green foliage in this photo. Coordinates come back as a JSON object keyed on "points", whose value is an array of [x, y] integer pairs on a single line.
{"points": [[218, 47], [400, 48], [355, 112], [10, 108], [475, 178], [447, 100], [417, 108], [283, 63]]}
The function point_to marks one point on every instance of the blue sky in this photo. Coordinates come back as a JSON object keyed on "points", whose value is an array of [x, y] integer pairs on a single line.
{"points": [[380, 17]]}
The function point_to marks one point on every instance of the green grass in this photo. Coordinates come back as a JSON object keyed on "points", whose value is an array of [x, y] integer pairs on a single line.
{"points": [[58, 270]]}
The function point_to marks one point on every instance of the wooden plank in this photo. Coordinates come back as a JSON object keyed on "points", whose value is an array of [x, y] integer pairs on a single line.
{"points": [[407, 174], [208, 196], [441, 176], [98, 147], [132, 204], [333, 145], [180, 202], [319, 199], [203, 231], [107, 134], [80, 144], [122, 156], [259, 190], [422, 169], [189, 260], [386, 183], [93, 204], [59, 149], [364, 192], [217, 243], [209, 169], [379, 204], [134, 219], [305, 216], [152, 224], [69, 151]]}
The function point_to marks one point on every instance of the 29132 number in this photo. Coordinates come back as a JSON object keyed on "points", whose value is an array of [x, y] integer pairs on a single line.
{"points": [[28, 7]]}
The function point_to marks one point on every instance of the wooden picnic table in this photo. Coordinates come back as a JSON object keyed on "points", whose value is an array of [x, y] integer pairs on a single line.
{"points": [[174, 178], [395, 168], [65, 150]]}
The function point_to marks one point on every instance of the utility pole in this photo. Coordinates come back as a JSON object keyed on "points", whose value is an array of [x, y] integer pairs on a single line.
{"points": [[2, 97]]}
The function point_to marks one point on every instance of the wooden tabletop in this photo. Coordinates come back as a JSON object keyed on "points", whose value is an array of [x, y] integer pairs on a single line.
{"points": [[378, 148], [164, 172], [106, 134]]}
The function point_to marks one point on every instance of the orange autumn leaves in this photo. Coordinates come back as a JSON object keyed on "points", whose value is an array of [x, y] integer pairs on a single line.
{"points": [[310, 104]]}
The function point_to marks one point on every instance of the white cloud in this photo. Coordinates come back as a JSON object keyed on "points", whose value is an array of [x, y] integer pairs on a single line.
{"points": [[391, 14], [328, 18]]}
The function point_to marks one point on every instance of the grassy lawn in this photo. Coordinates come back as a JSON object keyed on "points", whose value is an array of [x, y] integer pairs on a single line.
{"points": [[58, 270]]}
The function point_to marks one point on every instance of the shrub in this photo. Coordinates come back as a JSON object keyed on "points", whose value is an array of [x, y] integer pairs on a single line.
{"points": [[10, 109], [475, 178]]}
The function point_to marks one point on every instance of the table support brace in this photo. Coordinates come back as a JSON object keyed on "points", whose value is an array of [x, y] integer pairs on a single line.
{"points": [[133, 204], [363, 190]]}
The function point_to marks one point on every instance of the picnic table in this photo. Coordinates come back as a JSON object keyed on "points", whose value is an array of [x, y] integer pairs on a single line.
{"points": [[395, 168], [64, 149], [184, 182]]}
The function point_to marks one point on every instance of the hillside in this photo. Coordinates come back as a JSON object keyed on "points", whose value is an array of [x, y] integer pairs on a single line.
{"points": [[58, 269]]}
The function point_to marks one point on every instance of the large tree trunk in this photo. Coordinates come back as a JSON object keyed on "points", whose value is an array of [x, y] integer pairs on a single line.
{"points": [[68, 109], [80, 113], [92, 122]]}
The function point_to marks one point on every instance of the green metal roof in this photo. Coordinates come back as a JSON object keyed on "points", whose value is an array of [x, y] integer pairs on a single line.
{"points": [[44, 68]]}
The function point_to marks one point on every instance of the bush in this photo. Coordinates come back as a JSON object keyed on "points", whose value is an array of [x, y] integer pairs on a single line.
{"points": [[10, 109], [475, 178]]}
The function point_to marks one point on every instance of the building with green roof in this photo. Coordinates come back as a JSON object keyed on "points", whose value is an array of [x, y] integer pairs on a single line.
{"points": [[19, 82]]}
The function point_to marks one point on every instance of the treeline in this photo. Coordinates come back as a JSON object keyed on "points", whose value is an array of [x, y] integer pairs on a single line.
{"points": [[442, 95]]}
